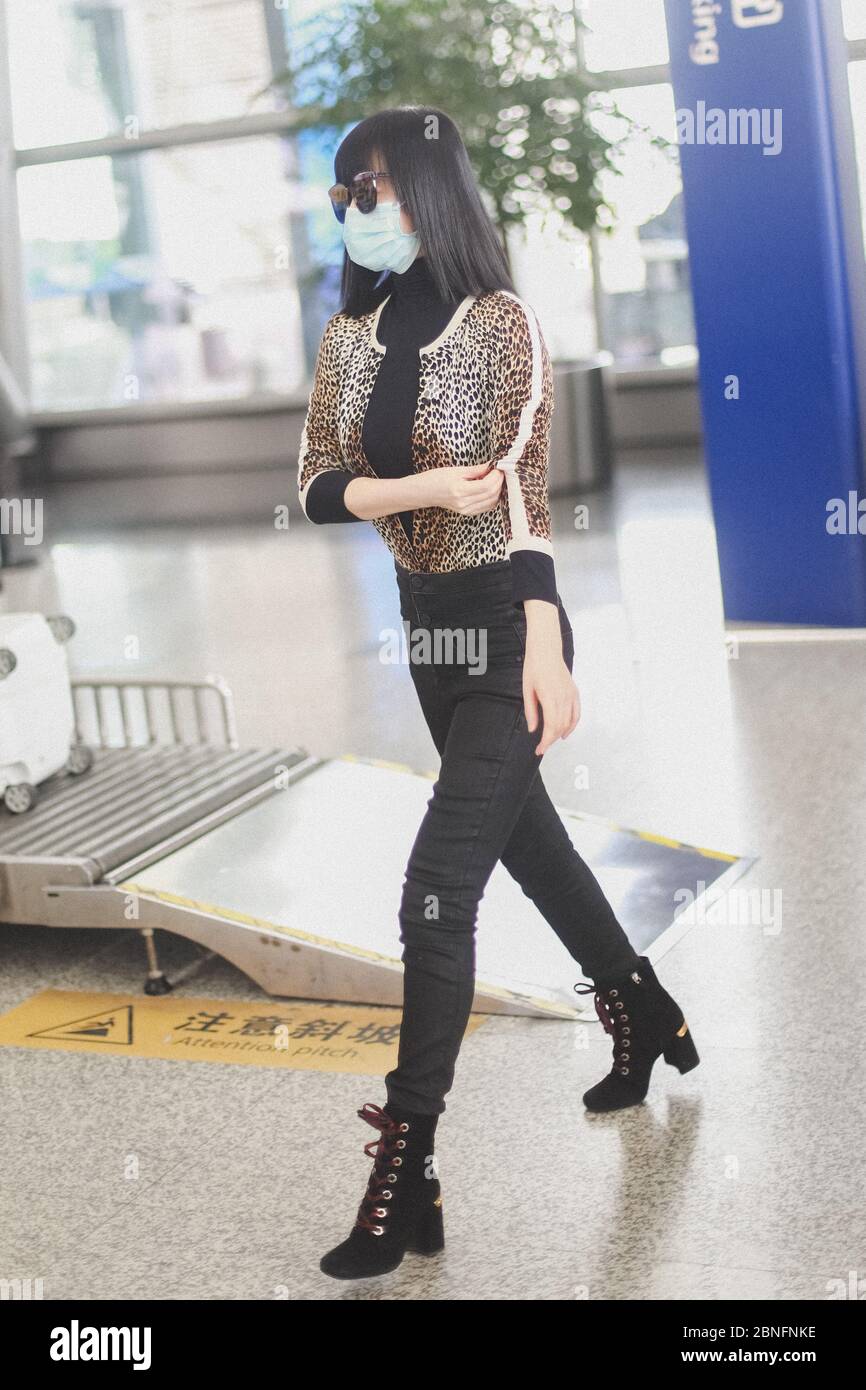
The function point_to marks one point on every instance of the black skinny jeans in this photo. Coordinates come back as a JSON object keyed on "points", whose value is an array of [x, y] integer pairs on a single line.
{"points": [[488, 803]]}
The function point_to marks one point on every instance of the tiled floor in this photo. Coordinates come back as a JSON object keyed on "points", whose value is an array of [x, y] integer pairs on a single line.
{"points": [[744, 1178]]}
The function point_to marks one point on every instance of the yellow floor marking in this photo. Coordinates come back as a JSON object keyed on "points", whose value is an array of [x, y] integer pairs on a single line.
{"points": [[386, 763], [612, 825], [658, 839], [244, 918], [298, 1035]]}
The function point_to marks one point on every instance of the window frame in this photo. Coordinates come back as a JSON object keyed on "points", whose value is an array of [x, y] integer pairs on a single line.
{"points": [[14, 340], [657, 74]]}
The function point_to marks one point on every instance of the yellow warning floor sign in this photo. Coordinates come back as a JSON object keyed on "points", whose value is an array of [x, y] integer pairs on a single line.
{"points": [[113, 1025], [300, 1035]]}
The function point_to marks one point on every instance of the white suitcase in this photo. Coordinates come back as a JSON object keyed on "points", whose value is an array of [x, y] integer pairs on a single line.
{"points": [[37, 716]]}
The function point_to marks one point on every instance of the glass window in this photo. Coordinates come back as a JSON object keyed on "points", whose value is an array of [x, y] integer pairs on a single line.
{"points": [[643, 259], [854, 13], [857, 83], [624, 34], [319, 243], [166, 275], [553, 272], [114, 68]]}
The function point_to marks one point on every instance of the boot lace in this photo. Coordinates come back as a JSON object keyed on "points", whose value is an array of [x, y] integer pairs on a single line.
{"points": [[613, 1018], [386, 1159]]}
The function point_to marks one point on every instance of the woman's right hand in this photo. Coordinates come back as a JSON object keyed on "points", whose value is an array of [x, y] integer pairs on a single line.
{"points": [[468, 491]]}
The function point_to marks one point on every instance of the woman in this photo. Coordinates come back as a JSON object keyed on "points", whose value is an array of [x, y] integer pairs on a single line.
{"points": [[429, 416]]}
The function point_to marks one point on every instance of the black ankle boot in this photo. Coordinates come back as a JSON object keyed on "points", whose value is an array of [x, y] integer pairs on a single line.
{"points": [[646, 1023], [402, 1207]]}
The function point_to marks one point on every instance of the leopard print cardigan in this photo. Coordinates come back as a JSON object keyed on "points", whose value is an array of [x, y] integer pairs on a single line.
{"points": [[486, 392]]}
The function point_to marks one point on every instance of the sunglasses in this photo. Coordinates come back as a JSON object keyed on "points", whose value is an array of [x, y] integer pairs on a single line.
{"points": [[362, 190]]}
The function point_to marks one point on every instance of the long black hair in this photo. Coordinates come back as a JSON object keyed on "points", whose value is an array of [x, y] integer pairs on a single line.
{"points": [[423, 152]]}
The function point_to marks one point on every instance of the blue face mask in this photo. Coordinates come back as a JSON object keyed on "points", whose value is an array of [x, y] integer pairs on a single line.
{"points": [[376, 239]]}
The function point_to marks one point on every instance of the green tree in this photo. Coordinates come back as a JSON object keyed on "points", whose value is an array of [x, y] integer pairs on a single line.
{"points": [[506, 72]]}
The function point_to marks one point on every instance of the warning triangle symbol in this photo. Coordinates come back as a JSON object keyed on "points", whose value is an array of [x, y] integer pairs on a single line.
{"points": [[110, 1026]]}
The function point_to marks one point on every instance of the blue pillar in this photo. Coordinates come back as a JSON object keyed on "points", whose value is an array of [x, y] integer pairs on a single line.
{"points": [[779, 283]]}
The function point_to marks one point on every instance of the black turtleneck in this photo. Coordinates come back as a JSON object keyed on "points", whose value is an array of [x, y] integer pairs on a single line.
{"points": [[413, 316]]}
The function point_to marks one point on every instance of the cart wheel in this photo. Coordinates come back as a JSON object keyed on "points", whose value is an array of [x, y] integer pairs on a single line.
{"points": [[80, 759], [62, 626], [157, 984], [8, 662], [19, 797], [157, 981]]}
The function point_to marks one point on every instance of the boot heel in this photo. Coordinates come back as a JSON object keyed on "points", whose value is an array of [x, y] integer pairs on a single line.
{"points": [[429, 1237], [681, 1051]]}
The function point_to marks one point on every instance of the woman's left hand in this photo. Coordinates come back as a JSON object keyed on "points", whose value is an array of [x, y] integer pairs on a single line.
{"points": [[547, 680]]}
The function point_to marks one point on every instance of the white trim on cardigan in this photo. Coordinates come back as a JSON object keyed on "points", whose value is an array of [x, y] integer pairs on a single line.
{"points": [[522, 538]]}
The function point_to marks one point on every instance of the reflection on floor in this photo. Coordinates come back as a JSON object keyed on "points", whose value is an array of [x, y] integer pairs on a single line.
{"points": [[741, 1179]]}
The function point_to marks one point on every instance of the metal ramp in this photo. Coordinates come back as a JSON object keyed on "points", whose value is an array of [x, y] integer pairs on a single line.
{"points": [[244, 851]]}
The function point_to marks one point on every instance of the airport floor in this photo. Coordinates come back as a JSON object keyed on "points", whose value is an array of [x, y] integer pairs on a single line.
{"points": [[742, 1179]]}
